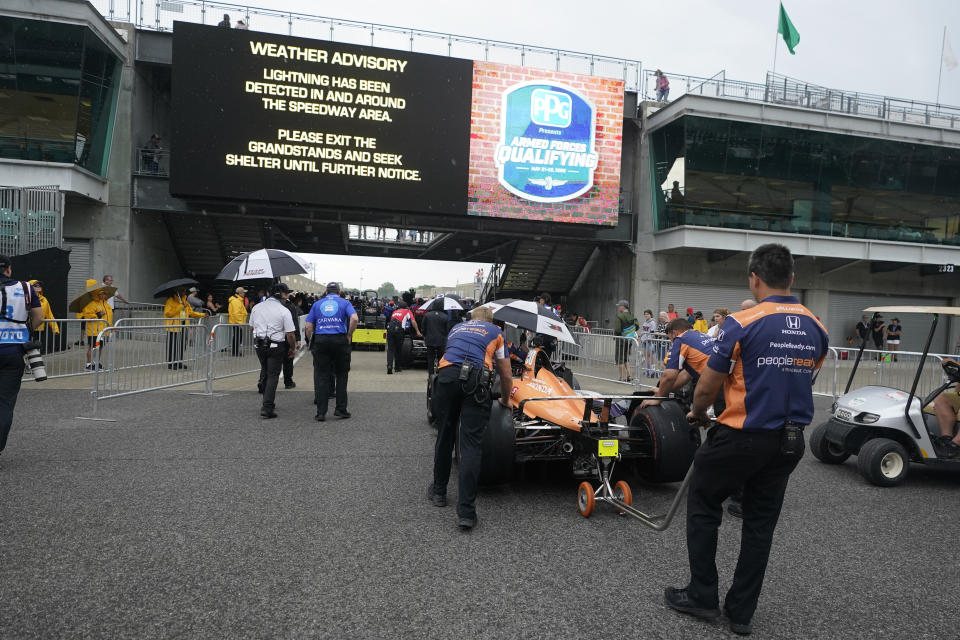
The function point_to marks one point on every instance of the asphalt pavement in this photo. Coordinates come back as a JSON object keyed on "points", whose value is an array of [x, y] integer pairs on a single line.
{"points": [[189, 517]]}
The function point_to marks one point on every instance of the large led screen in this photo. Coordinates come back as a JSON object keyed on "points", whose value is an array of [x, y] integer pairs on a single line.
{"points": [[288, 120], [274, 118], [545, 145]]}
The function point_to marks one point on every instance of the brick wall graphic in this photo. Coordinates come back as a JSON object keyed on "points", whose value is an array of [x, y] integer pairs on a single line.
{"points": [[487, 197]]}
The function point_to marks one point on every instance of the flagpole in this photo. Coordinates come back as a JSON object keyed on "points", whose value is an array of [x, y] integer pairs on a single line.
{"points": [[776, 40], [943, 44]]}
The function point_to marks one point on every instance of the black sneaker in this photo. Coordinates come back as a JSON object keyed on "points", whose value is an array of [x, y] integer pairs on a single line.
{"points": [[290, 385], [437, 499], [951, 449], [466, 524], [739, 628], [389, 371], [267, 415], [735, 509], [680, 600], [341, 414], [320, 417]]}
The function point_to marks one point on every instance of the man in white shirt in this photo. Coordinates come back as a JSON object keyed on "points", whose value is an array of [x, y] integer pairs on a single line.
{"points": [[108, 280], [274, 340]]}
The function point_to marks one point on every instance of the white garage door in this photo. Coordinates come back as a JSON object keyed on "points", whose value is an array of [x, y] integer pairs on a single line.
{"points": [[79, 266], [846, 309], [700, 297]]}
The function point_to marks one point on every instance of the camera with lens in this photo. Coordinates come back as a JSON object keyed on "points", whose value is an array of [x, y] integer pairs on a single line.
{"points": [[31, 355]]}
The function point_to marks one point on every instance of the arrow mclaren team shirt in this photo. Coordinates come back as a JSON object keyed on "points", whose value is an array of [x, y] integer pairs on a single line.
{"points": [[690, 351], [771, 353]]}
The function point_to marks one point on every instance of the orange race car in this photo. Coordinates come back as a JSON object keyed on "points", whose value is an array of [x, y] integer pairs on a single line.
{"points": [[551, 419]]}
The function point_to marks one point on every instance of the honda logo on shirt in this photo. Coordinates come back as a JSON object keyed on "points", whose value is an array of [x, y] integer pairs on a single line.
{"points": [[793, 322]]}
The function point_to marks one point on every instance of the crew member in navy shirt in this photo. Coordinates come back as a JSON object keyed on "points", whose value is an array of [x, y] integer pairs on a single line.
{"points": [[331, 323], [765, 358]]}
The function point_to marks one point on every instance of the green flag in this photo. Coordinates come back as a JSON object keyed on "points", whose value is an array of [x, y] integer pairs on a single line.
{"points": [[789, 32]]}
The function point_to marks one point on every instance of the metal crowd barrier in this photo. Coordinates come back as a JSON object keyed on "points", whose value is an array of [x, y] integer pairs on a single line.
{"points": [[595, 356], [63, 344], [231, 352]]}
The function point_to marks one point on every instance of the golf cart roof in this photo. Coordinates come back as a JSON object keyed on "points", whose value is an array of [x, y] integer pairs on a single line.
{"points": [[947, 311]]}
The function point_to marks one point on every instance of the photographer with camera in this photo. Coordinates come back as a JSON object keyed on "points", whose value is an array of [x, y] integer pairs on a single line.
{"points": [[475, 353], [20, 313]]}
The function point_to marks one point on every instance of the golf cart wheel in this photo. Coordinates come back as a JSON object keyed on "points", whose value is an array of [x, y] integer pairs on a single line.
{"points": [[824, 450], [883, 462], [673, 442], [622, 492], [499, 447], [585, 500]]}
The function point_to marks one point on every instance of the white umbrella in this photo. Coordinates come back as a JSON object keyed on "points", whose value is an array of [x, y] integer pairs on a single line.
{"points": [[527, 314], [263, 264], [442, 303]]}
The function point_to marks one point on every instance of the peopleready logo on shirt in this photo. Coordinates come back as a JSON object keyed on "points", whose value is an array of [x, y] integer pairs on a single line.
{"points": [[546, 151]]}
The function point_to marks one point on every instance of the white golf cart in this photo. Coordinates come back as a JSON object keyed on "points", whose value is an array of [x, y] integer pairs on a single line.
{"points": [[886, 427]]}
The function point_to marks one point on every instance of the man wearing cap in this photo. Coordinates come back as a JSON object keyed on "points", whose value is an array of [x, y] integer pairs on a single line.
{"points": [[329, 327], [193, 298], [624, 325], [274, 339], [19, 314], [237, 314]]}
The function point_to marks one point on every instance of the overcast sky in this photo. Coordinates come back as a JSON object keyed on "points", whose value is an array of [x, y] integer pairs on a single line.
{"points": [[886, 47]]}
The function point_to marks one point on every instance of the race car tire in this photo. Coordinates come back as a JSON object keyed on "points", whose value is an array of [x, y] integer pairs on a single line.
{"points": [[673, 442], [585, 500], [622, 491], [824, 450], [499, 447], [406, 352], [883, 462]]}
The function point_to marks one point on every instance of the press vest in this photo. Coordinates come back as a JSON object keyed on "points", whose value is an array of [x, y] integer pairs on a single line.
{"points": [[14, 314]]}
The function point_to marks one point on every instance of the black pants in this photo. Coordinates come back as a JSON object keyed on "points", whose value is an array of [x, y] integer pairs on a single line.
{"points": [[433, 357], [288, 370], [452, 406], [331, 356], [236, 340], [731, 458], [11, 371], [175, 342], [395, 349], [271, 361]]}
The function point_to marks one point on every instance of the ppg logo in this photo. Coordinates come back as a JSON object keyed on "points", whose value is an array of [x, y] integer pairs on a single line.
{"points": [[793, 322], [550, 108]]}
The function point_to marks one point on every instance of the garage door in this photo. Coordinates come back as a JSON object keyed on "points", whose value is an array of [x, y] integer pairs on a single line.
{"points": [[79, 266], [701, 298], [846, 309]]}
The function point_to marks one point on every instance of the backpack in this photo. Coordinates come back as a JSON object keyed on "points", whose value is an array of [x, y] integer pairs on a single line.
{"points": [[394, 327]]}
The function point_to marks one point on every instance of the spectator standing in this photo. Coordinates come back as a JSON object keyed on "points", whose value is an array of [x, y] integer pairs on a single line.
{"points": [[330, 326], [625, 325], [894, 330], [102, 313], [691, 318], [863, 328], [213, 307], [225, 23], [719, 315], [436, 326], [193, 297], [48, 332], [295, 314], [757, 441], [112, 301], [878, 331], [176, 310], [648, 342], [237, 314], [21, 315], [151, 155], [699, 324], [663, 86], [671, 314], [273, 339]]}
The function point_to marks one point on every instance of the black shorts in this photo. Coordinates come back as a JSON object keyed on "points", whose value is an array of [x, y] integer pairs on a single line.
{"points": [[623, 351], [92, 341]]}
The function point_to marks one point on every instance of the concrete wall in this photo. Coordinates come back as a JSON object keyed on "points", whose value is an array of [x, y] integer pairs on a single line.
{"points": [[607, 278]]}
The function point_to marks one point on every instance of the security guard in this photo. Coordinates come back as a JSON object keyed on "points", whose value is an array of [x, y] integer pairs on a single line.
{"points": [[331, 323], [176, 309], [765, 359], [20, 313], [237, 314], [463, 395], [274, 340]]}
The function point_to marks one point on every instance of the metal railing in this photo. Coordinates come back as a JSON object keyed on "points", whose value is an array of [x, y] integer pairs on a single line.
{"points": [[231, 352], [30, 219], [63, 344], [160, 15], [783, 90], [387, 234], [153, 162], [598, 356]]}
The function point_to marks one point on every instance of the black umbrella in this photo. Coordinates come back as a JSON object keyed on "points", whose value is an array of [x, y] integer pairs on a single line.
{"points": [[527, 314], [165, 289], [263, 263]]}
